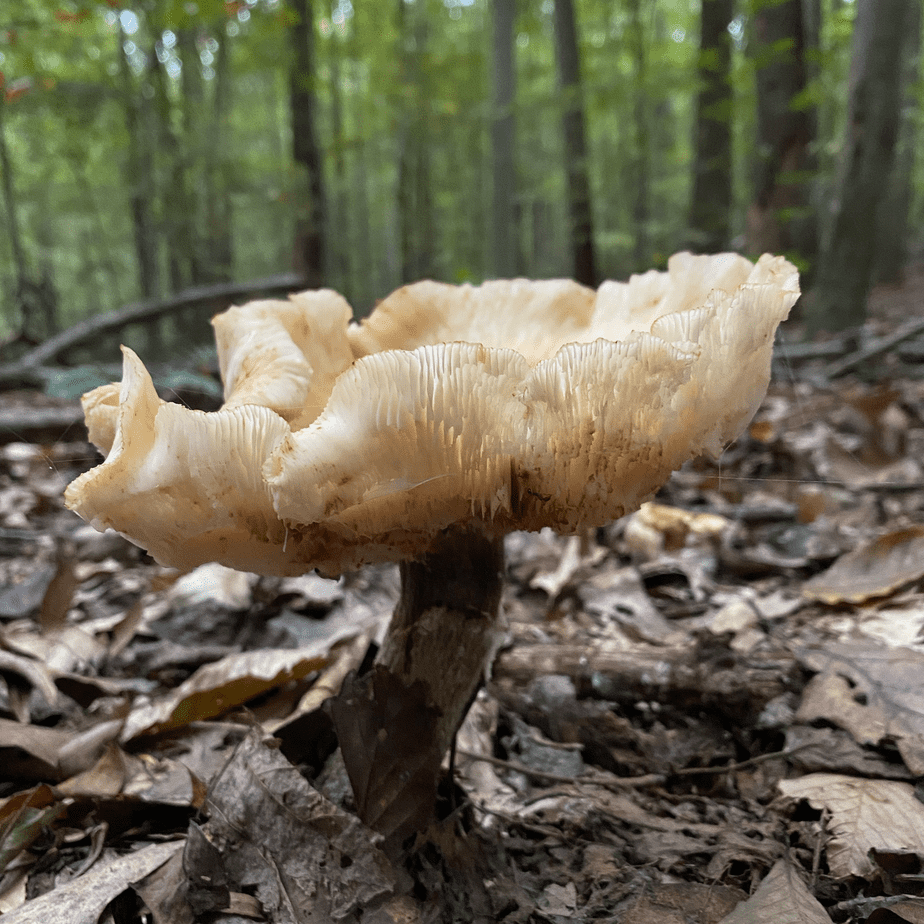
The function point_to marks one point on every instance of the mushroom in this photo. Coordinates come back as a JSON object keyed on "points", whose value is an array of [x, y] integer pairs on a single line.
{"points": [[449, 417]]}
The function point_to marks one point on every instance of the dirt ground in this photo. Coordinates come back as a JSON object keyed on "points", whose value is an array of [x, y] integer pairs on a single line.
{"points": [[709, 711]]}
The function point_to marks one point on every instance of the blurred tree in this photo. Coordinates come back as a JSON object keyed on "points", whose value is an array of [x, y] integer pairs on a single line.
{"points": [[218, 252], [781, 218], [641, 121], [847, 259], [340, 243], [577, 167], [415, 203], [504, 221], [311, 200], [895, 206], [710, 212], [139, 173], [34, 296]]}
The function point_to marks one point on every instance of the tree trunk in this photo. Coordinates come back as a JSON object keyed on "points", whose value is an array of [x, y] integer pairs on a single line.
{"points": [[219, 248], [13, 230], [710, 214], [192, 153], [641, 168], [414, 194], [172, 181], [575, 143], [781, 218], [892, 220], [504, 223], [340, 219], [845, 271], [35, 298], [311, 207], [369, 279], [140, 169]]}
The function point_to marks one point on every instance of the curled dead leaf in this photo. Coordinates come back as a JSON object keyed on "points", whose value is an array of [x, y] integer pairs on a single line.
{"points": [[223, 685], [863, 814], [875, 570]]}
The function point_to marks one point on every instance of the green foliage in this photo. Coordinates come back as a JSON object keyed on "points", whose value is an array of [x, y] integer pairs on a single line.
{"points": [[213, 152]]}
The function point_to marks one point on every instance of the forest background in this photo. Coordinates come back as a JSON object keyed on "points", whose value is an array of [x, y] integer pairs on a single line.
{"points": [[159, 146]]}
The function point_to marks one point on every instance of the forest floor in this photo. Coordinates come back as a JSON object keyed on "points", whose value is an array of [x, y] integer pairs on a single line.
{"points": [[710, 711]]}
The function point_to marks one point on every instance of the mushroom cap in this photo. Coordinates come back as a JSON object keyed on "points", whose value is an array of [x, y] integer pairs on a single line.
{"points": [[510, 405]]}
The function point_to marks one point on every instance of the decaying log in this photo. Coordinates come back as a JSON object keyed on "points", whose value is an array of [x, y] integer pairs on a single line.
{"points": [[682, 676]]}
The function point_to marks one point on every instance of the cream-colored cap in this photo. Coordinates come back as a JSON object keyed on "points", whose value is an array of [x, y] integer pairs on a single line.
{"points": [[511, 405]]}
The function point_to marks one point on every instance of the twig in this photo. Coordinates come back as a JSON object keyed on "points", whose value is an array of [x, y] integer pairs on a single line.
{"points": [[851, 361], [743, 764], [627, 782]]}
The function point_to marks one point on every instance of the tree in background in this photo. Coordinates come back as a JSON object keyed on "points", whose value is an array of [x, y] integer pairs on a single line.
{"points": [[340, 250], [311, 206], [577, 167], [504, 225], [34, 296], [847, 260], [641, 120], [161, 144], [895, 206], [139, 172], [415, 137], [710, 211], [781, 218]]}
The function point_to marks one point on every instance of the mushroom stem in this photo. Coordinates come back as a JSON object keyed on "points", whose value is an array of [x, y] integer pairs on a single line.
{"points": [[395, 723], [445, 625]]}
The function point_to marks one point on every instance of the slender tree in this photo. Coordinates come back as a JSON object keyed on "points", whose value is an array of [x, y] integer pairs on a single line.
{"points": [[340, 249], [172, 180], [567, 57], [504, 223], [781, 217], [35, 296], [710, 213], [139, 166], [366, 282], [415, 205], [895, 206], [847, 262], [311, 205], [643, 154], [219, 253]]}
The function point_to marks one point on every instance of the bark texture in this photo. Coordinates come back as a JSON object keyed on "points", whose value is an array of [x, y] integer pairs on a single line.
{"points": [[781, 218], [310, 249], [710, 214], [575, 143], [847, 262], [504, 263]]}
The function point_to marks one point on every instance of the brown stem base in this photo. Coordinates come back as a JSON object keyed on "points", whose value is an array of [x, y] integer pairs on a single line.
{"points": [[395, 726]]}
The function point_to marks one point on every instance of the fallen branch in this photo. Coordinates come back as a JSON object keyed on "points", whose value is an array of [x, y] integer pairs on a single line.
{"points": [[38, 364], [876, 348], [684, 674]]}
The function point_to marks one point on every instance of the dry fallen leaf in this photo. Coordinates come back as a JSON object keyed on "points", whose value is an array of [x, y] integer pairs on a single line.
{"points": [[82, 900], [863, 814], [31, 752], [781, 898], [29, 672], [222, 685], [873, 691], [23, 817], [873, 570], [304, 858]]}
